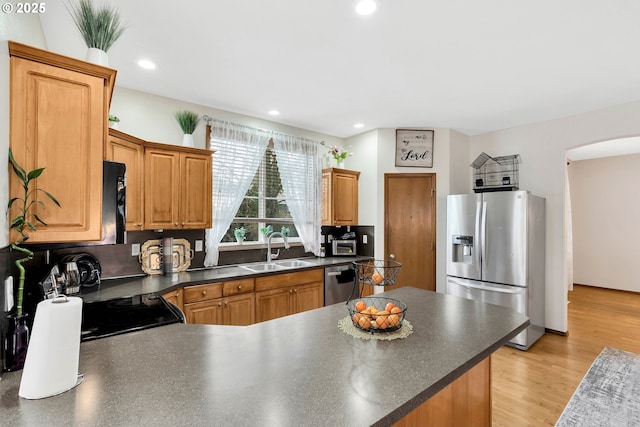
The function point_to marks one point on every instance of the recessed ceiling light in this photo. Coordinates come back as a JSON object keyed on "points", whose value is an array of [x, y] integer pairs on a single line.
{"points": [[146, 64], [274, 112], [358, 125], [366, 7]]}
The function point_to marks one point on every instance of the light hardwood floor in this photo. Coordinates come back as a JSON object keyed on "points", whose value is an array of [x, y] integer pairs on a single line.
{"points": [[532, 388]]}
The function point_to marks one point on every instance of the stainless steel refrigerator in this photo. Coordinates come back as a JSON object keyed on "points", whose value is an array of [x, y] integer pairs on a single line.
{"points": [[495, 254]]}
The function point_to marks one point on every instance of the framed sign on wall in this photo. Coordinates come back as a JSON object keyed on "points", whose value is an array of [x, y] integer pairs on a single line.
{"points": [[414, 148]]}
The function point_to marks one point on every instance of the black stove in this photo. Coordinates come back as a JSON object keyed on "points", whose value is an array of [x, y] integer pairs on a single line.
{"points": [[101, 319]]}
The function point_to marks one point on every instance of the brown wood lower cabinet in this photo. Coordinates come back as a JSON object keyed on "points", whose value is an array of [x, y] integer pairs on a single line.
{"points": [[228, 303], [464, 402], [175, 298], [283, 294]]}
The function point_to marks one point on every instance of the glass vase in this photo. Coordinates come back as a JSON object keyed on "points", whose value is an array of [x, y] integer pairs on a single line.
{"points": [[15, 342]]}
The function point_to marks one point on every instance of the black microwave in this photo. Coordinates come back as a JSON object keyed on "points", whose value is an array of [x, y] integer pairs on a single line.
{"points": [[343, 247]]}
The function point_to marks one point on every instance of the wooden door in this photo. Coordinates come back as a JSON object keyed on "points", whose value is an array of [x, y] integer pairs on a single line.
{"points": [[195, 193], [273, 304], [58, 123], [410, 227], [239, 310], [161, 189], [132, 155], [307, 297]]}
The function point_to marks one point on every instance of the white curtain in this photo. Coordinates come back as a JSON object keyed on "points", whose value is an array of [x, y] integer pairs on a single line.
{"points": [[301, 176], [238, 152]]}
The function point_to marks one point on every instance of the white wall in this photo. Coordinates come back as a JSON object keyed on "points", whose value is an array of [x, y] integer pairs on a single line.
{"points": [[151, 118], [542, 147], [605, 202], [23, 28]]}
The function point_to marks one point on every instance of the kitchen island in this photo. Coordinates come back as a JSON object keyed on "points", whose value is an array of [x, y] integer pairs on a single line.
{"points": [[292, 371]]}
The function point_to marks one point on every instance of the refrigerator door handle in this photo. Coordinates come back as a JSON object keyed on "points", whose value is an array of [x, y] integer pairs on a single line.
{"points": [[487, 288], [483, 237]]}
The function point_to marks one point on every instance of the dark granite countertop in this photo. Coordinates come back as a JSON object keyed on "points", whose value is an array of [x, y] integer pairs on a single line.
{"points": [[138, 285], [292, 371]]}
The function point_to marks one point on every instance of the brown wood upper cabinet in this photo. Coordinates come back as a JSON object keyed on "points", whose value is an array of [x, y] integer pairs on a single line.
{"points": [[339, 197], [177, 189], [168, 187], [59, 107]]}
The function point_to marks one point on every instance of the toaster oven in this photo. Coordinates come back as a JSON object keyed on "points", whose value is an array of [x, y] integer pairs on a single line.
{"points": [[343, 247]]}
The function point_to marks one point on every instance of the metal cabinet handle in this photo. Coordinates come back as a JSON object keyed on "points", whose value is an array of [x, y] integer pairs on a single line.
{"points": [[239, 287], [290, 291], [392, 256], [204, 293]]}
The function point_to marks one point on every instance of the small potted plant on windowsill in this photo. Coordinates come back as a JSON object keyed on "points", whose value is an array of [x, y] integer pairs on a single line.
{"points": [[285, 231], [16, 339], [240, 234]]}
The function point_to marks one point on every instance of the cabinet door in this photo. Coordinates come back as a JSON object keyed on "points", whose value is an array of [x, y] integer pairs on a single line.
{"points": [[345, 199], [273, 304], [58, 123], [175, 298], [161, 187], [204, 313], [132, 155], [308, 297], [239, 310], [195, 193], [327, 214]]}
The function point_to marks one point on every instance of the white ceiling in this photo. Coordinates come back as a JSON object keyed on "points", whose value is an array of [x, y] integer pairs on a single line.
{"points": [[613, 147], [474, 66]]}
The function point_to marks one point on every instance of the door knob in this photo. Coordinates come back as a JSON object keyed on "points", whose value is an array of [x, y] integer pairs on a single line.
{"points": [[392, 256]]}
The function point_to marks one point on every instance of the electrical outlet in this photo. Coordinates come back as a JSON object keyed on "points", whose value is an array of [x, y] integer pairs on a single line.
{"points": [[198, 245], [364, 239], [135, 249]]}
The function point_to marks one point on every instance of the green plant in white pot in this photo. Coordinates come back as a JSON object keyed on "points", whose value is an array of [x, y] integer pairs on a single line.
{"points": [[188, 121], [240, 234], [100, 27], [17, 336]]}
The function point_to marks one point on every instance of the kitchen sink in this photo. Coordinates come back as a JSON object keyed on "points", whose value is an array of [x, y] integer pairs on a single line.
{"points": [[293, 263], [261, 268], [276, 265]]}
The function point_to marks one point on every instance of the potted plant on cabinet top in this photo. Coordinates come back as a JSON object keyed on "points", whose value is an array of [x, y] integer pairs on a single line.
{"points": [[16, 339], [99, 27], [188, 121], [113, 121]]}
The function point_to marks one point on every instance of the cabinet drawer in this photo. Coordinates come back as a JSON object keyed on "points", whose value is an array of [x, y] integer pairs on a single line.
{"points": [[237, 287], [289, 279], [202, 292]]}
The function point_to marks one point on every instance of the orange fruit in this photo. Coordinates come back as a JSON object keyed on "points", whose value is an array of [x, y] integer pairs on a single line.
{"points": [[393, 320], [382, 319], [364, 322], [389, 307], [377, 278], [395, 310], [372, 309], [356, 318], [360, 305]]}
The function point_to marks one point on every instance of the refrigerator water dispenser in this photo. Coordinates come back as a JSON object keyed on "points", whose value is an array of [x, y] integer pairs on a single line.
{"points": [[462, 250]]}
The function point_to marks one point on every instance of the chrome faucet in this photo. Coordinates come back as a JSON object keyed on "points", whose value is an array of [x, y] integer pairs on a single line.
{"points": [[271, 256]]}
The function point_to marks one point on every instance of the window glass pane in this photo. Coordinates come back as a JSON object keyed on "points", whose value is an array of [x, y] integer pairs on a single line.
{"points": [[263, 203]]}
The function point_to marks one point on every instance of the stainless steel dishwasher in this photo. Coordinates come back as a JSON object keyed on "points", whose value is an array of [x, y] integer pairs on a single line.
{"points": [[339, 283]]}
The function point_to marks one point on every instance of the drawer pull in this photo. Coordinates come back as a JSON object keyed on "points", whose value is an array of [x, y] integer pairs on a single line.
{"points": [[204, 293], [239, 287]]}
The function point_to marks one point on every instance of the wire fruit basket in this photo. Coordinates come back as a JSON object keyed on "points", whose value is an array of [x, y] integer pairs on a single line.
{"points": [[377, 314], [376, 272]]}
